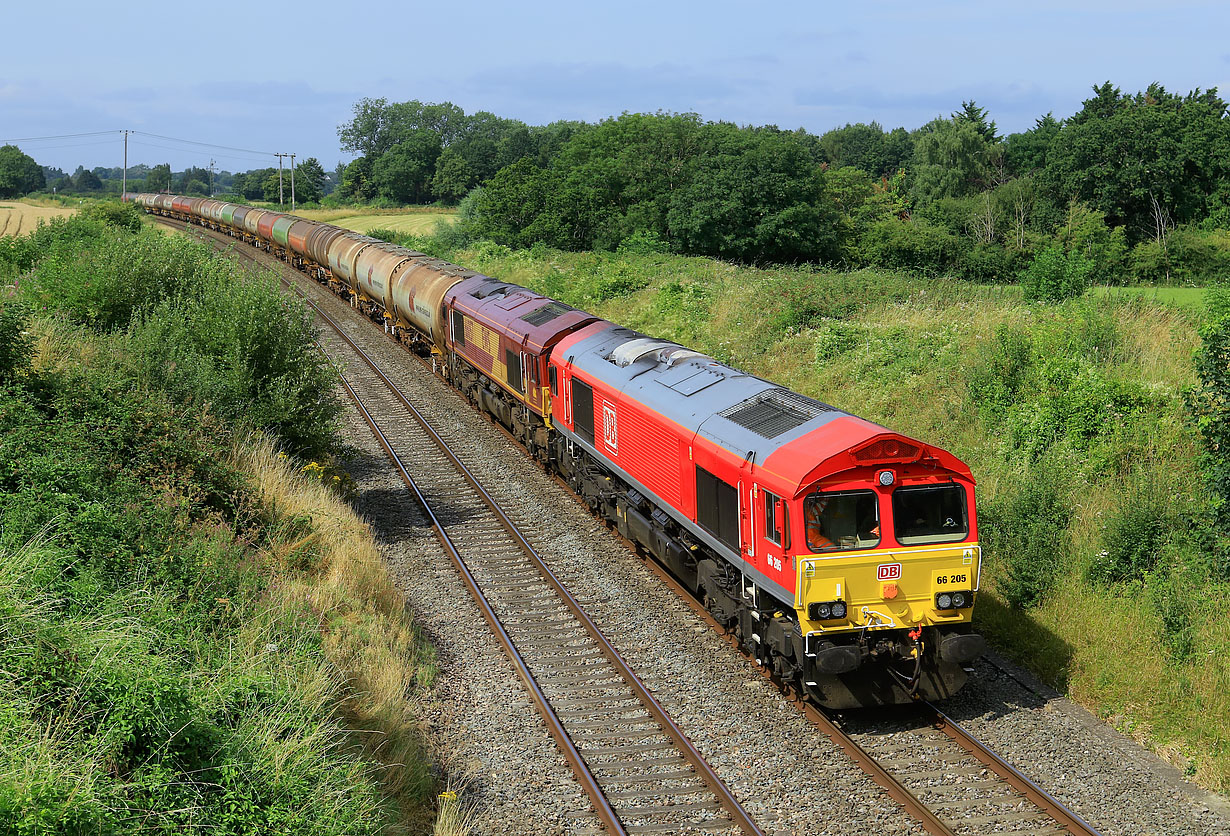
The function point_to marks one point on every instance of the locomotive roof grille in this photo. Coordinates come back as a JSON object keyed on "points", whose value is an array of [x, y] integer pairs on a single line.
{"points": [[774, 412], [547, 312]]}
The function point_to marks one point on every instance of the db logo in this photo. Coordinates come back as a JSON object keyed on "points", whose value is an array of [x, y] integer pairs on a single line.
{"points": [[610, 432], [888, 572]]}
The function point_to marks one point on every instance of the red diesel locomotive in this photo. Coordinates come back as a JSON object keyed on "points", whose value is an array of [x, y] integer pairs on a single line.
{"points": [[844, 555]]}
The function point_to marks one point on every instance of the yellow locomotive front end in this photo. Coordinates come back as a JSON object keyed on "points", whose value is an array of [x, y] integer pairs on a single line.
{"points": [[886, 586]]}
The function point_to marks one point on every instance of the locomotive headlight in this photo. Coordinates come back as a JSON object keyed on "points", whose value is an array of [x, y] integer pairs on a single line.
{"points": [[886, 477], [943, 601], [958, 599], [826, 610]]}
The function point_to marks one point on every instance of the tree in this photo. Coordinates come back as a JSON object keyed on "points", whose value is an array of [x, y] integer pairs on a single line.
{"points": [[867, 147], [1148, 161], [1026, 152], [403, 173], [357, 183], [159, 179], [250, 185], [275, 189], [952, 158], [85, 180], [194, 180], [976, 116], [19, 173], [309, 181], [453, 179]]}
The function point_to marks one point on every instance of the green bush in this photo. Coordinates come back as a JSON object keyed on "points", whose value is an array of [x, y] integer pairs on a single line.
{"points": [[116, 214], [1135, 534], [1025, 536], [1190, 256], [912, 245], [1173, 595], [139, 680], [14, 343], [109, 282], [238, 348], [1055, 275]]}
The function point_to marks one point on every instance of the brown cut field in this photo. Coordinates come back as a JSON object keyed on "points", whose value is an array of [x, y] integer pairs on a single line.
{"points": [[21, 218]]}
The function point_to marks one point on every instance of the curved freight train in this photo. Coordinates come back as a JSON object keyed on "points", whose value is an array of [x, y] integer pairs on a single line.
{"points": [[844, 556]]}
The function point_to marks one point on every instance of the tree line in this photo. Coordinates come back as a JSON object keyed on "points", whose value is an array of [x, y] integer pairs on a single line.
{"points": [[20, 175], [1132, 186]]}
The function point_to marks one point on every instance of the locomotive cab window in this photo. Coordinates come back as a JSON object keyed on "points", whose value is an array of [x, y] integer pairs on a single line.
{"points": [[553, 377], [459, 328], [930, 514], [842, 520], [773, 519]]}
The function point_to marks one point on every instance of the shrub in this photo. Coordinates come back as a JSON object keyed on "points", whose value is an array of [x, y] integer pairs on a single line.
{"points": [[1173, 597], [116, 214], [14, 343], [240, 349], [912, 245], [107, 284], [643, 242], [1055, 275], [1134, 535], [986, 263], [1189, 256], [1026, 536]]}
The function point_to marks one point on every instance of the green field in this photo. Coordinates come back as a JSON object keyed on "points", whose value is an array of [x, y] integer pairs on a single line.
{"points": [[413, 221], [1191, 298]]}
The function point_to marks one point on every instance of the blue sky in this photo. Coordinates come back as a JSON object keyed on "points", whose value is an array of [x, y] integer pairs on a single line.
{"points": [[194, 72]]}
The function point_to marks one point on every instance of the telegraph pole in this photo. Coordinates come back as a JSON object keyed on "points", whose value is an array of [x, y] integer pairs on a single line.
{"points": [[292, 182], [280, 156], [124, 178], [211, 178]]}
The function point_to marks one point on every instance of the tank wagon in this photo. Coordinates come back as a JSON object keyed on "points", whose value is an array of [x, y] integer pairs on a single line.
{"points": [[843, 555]]}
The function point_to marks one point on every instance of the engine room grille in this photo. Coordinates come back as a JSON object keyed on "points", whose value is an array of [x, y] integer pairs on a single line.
{"points": [[774, 412], [547, 312]]}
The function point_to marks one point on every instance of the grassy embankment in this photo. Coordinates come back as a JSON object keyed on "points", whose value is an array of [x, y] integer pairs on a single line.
{"points": [[196, 632], [1095, 514]]}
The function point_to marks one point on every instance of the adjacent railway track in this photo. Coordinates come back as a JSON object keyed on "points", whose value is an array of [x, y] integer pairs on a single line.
{"points": [[641, 773], [638, 769]]}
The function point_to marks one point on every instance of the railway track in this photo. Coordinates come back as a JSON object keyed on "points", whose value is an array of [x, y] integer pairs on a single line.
{"points": [[641, 773], [942, 776]]}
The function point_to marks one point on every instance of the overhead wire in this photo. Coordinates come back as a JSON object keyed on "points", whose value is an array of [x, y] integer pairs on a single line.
{"points": [[59, 136], [205, 144]]}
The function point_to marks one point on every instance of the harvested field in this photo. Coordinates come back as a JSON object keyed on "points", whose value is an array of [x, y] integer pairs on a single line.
{"points": [[20, 218], [416, 221]]}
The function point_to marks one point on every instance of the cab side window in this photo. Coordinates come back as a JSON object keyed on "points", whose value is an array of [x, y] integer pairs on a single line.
{"points": [[773, 519]]}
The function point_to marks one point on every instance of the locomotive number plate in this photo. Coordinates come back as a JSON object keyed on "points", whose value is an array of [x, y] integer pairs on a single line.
{"points": [[888, 572]]}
